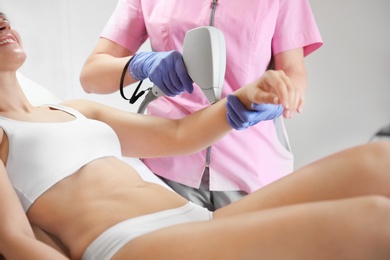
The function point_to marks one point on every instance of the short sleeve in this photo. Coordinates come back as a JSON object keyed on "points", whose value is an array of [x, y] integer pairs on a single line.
{"points": [[126, 25], [296, 28]]}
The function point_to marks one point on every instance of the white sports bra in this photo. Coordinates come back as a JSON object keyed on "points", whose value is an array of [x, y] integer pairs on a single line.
{"points": [[42, 154]]}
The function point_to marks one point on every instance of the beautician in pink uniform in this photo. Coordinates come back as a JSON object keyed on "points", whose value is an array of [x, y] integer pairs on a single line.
{"points": [[254, 32]]}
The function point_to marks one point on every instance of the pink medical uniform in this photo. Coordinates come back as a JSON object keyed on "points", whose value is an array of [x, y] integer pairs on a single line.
{"points": [[243, 160]]}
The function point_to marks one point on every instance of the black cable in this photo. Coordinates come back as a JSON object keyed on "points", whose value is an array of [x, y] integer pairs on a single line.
{"points": [[212, 16], [135, 95]]}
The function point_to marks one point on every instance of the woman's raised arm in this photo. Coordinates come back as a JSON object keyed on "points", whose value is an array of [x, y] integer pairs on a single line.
{"points": [[146, 136]]}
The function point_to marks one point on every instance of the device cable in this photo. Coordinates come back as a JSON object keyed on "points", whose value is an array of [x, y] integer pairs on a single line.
{"points": [[208, 150], [135, 95]]}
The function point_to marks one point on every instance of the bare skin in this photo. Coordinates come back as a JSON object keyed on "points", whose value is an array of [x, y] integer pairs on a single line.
{"points": [[96, 206], [303, 231], [299, 217], [325, 210]]}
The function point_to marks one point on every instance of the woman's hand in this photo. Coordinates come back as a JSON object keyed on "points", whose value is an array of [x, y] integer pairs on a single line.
{"points": [[273, 87]]}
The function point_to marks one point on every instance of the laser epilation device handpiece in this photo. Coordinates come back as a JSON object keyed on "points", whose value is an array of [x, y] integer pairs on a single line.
{"points": [[204, 55]]}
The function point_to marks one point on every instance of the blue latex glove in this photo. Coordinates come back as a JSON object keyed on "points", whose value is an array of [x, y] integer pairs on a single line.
{"points": [[165, 69], [239, 117]]}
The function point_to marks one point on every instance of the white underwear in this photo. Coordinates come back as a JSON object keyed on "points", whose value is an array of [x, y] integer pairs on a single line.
{"points": [[114, 238]]}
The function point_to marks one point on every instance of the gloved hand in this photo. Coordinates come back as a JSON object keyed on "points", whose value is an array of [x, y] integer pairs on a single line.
{"points": [[165, 69], [239, 117]]}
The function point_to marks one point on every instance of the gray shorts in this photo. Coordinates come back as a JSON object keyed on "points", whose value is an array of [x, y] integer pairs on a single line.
{"points": [[203, 196], [113, 239]]}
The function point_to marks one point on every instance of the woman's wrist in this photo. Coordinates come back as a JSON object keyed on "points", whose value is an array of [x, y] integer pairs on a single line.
{"points": [[242, 95]]}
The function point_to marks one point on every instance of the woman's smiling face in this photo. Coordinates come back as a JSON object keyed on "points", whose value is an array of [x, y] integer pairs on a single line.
{"points": [[11, 51]]}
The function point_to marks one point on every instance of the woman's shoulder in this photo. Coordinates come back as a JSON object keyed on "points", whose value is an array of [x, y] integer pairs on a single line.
{"points": [[88, 108], [83, 106]]}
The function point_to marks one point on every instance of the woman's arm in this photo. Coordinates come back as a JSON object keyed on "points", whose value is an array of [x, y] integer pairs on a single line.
{"points": [[17, 239], [292, 63], [146, 136], [102, 70], [50, 240]]}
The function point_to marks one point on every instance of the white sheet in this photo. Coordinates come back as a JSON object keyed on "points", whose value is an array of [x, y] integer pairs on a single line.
{"points": [[36, 93]]}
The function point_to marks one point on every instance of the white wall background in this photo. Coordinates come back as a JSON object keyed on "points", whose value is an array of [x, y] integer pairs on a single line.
{"points": [[348, 97], [347, 101]]}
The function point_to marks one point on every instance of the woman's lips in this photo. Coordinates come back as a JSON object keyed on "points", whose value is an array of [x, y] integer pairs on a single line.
{"points": [[7, 40]]}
